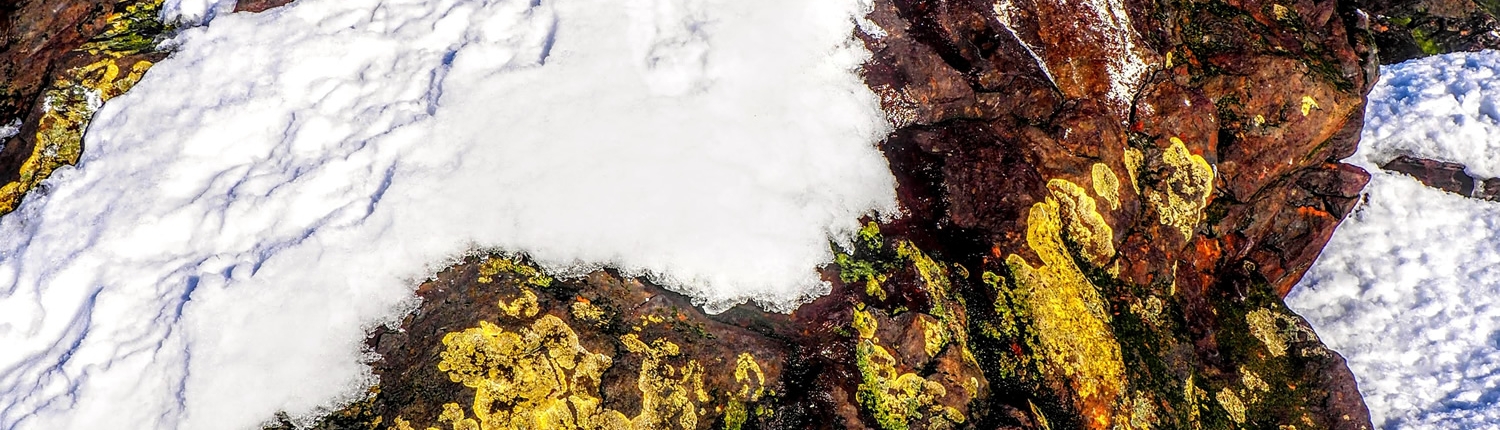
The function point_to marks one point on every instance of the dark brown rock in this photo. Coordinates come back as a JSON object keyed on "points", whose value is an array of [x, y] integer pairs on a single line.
{"points": [[258, 6], [1407, 29], [1446, 176]]}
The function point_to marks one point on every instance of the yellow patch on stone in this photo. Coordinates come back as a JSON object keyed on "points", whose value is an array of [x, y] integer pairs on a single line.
{"points": [[1182, 195], [1252, 381], [542, 378], [747, 373], [1084, 225], [1263, 325], [541, 372], [1067, 312], [585, 311], [523, 306], [1232, 403], [68, 107], [934, 335], [1107, 185], [1281, 13], [669, 395], [1308, 104], [531, 276], [896, 400]]}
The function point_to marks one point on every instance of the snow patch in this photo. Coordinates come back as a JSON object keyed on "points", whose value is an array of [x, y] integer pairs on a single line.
{"points": [[285, 179], [1408, 289]]}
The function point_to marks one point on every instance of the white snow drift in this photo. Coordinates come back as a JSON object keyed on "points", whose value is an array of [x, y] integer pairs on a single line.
{"points": [[1408, 290], [285, 179]]}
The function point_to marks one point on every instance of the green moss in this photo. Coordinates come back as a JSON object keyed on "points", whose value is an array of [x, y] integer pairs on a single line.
{"points": [[1425, 42]]}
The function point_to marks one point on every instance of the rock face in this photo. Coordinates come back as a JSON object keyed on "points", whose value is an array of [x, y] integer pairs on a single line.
{"points": [[1411, 29], [58, 62], [1105, 203]]}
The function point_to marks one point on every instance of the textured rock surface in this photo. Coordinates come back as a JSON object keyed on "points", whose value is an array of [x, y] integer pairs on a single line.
{"points": [[1450, 177], [58, 62], [1105, 203], [1417, 28]]}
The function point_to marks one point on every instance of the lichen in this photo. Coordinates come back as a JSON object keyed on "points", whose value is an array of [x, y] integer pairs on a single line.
{"points": [[1308, 104], [584, 310], [896, 400], [495, 265], [1072, 332], [1085, 227], [1183, 193], [70, 101], [67, 108], [669, 394], [1107, 185], [523, 306], [1263, 326], [1232, 404], [540, 376]]}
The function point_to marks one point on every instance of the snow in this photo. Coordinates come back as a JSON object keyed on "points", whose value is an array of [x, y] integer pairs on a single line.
{"points": [[1408, 290], [285, 179]]}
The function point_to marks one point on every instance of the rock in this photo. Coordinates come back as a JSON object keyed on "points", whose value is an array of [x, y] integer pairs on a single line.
{"points": [[1450, 177], [1417, 28], [258, 6], [55, 57], [1105, 204]]}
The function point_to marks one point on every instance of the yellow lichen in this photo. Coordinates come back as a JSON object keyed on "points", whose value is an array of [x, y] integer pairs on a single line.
{"points": [[1068, 315], [585, 311], [669, 394], [1281, 13], [1142, 414], [1182, 195], [897, 400], [530, 276], [934, 336], [1232, 403], [863, 323], [1133, 160], [1084, 225], [1107, 185], [539, 375], [1263, 326], [1252, 381], [1308, 104], [67, 109], [523, 306], [744, 368]]}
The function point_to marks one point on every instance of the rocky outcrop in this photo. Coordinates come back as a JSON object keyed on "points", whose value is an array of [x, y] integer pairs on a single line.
{"points": [[1417, 28], [58, 62], [1105, 203]]}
